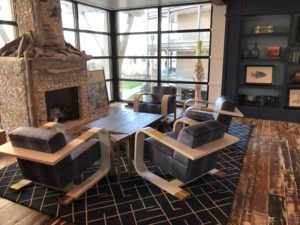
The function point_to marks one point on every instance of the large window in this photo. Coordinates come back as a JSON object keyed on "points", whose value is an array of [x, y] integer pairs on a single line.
{"points": [[165, 46], [7, 22], [87, 28]]}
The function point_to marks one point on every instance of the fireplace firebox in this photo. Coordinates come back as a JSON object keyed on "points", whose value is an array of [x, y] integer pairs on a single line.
{"points": [[62, 104]]}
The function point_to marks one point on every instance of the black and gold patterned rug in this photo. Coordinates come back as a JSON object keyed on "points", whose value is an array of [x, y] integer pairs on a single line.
{"points": [[136, 201]]}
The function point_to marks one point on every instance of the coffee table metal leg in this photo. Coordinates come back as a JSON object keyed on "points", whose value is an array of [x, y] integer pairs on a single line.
{"points": [[112, 171], [118, 162], [129, 158]]}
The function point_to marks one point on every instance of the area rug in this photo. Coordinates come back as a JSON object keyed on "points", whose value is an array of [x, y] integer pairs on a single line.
{"points": [[136, 201]]}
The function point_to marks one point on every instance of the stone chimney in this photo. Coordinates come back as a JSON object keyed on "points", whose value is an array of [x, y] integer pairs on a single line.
{"points": [[39, 62]]}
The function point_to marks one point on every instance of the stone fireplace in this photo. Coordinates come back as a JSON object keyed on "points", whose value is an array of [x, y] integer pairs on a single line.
{"points": [[38, 63]]}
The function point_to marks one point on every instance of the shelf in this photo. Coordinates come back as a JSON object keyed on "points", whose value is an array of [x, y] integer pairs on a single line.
{"points": [[280, 34], [295, 45], [258, 107], [294, 64], [264, 60], [273, 86], [296, 85]]}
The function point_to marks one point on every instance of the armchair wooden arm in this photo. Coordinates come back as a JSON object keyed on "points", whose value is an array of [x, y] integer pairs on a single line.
{"points": [[164, 106], [137, 99], [236, 112], [189, 101], [179, 124]]}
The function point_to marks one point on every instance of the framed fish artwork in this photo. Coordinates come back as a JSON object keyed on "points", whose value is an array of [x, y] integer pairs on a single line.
{"points": [[259, 74]]}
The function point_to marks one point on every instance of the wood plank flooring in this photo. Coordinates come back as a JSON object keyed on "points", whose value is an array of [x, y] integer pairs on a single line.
{"points": [[267, 190]]}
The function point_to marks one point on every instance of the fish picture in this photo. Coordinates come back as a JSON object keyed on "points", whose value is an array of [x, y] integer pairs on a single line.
{"points": [[259, 74]]}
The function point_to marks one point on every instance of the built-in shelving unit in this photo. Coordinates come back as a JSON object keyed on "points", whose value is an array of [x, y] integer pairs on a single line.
{"points": [[260, 83]]}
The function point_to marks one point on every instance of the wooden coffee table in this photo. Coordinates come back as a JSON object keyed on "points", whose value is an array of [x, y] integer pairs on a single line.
{"points": [[122, 125]]}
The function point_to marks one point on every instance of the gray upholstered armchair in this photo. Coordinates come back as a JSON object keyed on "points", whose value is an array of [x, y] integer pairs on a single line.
{"points": [[186, 153], [223, 109], [45, 156], [163, 101]]}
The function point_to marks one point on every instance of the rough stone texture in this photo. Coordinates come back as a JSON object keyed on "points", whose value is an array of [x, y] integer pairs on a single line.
{"points": [[13, 92], [25, 17], [43, 63], [43, 19], [49, 74]]}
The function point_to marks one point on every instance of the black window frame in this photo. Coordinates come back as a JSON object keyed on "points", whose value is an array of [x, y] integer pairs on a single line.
{"points": [[13, 22], [159, 33], [109, 33]]}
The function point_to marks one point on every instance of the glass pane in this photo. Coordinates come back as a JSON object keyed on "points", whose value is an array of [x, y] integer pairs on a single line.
{"points": [[110, 93], [67, 14], [187, 91], [137, 20], [70, 37], [91, 18], [6, 12], [186, 17], [100, 64], [137, 45], [129, 88], [94, 44], [184, 69], [138, 68], [7, 34], [186, 44]]}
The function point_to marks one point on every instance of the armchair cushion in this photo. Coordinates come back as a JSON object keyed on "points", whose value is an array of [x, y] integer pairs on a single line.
{"points": [[39, 139], [201, 133], [150, 107], [199, 116], [159, 91]]}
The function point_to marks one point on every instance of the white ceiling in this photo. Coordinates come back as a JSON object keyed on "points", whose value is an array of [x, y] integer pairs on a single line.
{"points": [[131, 4]]}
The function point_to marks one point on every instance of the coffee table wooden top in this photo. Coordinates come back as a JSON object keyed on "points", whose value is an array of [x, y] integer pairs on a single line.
{"points": [[123, 123]]}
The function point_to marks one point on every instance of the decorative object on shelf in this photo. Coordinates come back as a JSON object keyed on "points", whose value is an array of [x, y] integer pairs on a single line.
{"points": [[296, 77], [267, 101], [259, 74], [294, 56], [255, 52], [246, 52], [273, 52], [263, 29], [294, 98]]}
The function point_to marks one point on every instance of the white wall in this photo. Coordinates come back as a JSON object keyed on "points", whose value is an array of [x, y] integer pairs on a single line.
{"points": [[217, 50]]}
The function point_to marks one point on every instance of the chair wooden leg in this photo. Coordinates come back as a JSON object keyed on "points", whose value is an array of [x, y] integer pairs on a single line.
{"points": [[75, 191], [129, 156], [118, 162], [218, 174], [141, 169], [20, 185]]}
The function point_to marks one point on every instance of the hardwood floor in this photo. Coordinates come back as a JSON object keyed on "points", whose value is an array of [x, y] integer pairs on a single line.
{"points": [[267, 190]]}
